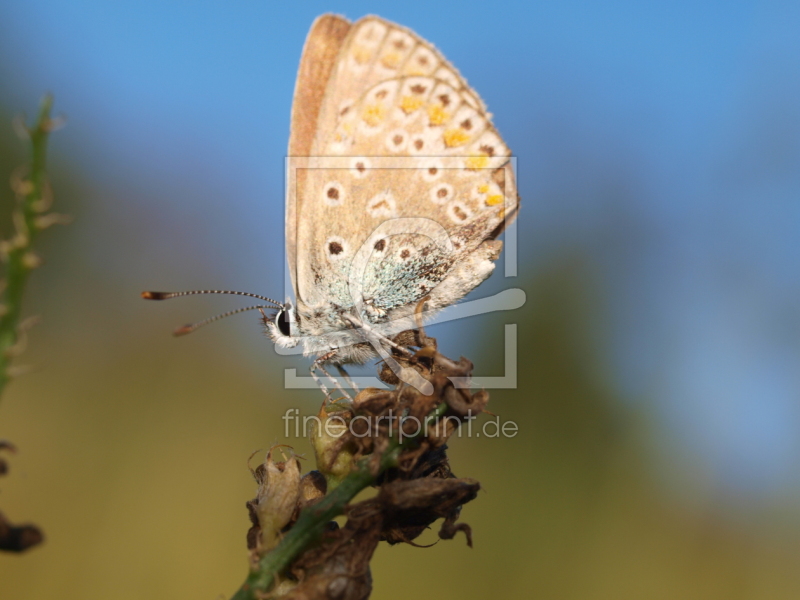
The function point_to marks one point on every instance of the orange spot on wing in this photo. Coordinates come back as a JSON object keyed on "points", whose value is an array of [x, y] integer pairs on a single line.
{"points": [[455, 137], [494, 200], [478, 162], [373, 114], [361, 54], [391, 60], [437, 115], [409, 104]]}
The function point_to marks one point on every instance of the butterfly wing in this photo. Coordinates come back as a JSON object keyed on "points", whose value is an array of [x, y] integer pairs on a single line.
{"points": [[400, 136], [321, 49], [376, 50]]}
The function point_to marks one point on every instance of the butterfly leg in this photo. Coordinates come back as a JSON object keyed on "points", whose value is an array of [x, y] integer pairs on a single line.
{"points": [[424, 340], [346, 377], [405, 374], [317, 364]]}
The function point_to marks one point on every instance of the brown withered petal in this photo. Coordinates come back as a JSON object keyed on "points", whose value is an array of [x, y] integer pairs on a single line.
{"points": [[437, 496], [464, 404], [312, 487], [410, 507], [254, 532], [450, 528]]}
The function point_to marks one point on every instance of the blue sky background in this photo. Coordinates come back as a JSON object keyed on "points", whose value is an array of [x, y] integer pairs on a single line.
{"points": [[661, 138]]}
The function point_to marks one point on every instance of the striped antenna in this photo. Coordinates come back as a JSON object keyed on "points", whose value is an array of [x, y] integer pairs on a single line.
{"points": [[168, 295], [191, 327]]}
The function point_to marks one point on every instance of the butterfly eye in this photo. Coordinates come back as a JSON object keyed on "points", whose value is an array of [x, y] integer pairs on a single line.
{"points": [[282, 321]]}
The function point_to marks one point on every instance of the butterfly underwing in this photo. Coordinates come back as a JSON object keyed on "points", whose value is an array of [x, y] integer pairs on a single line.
{"points": [[398, 186]]}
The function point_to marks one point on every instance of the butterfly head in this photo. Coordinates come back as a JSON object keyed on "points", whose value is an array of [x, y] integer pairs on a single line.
{"points": [[282, 327]]}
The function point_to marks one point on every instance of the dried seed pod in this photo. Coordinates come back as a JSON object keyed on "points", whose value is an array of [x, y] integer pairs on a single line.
{"points": [[276, 502]]}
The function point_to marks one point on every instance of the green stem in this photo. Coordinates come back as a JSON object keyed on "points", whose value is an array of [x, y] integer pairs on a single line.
{"points": [[18, 257], [312, 520]]}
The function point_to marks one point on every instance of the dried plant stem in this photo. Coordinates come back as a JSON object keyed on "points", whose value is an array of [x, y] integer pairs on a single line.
{"points": [[17, 252], [312, 521]]}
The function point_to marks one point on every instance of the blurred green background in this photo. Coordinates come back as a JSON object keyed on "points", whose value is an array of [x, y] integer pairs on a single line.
{"points": [[658, 154]]}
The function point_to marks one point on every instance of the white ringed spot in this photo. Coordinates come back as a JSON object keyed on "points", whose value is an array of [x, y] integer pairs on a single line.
{"points": [[458, 212], [442, 194], [359, 167], [421, 62], [333, 193], [336, 248], [397, 140], [431, 169], [371, 34], [417, 144]]}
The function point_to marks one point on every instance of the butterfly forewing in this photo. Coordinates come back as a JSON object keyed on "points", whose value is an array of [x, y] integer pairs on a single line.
{"points": [[374, 51], [399, 135], [316, 65]]}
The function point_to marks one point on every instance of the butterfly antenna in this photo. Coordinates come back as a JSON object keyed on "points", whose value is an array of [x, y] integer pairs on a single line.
{"points": [[168, 295], [190, 328]]}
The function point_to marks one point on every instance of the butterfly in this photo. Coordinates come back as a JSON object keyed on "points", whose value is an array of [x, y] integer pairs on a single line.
{"points": [[398, 186]]}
